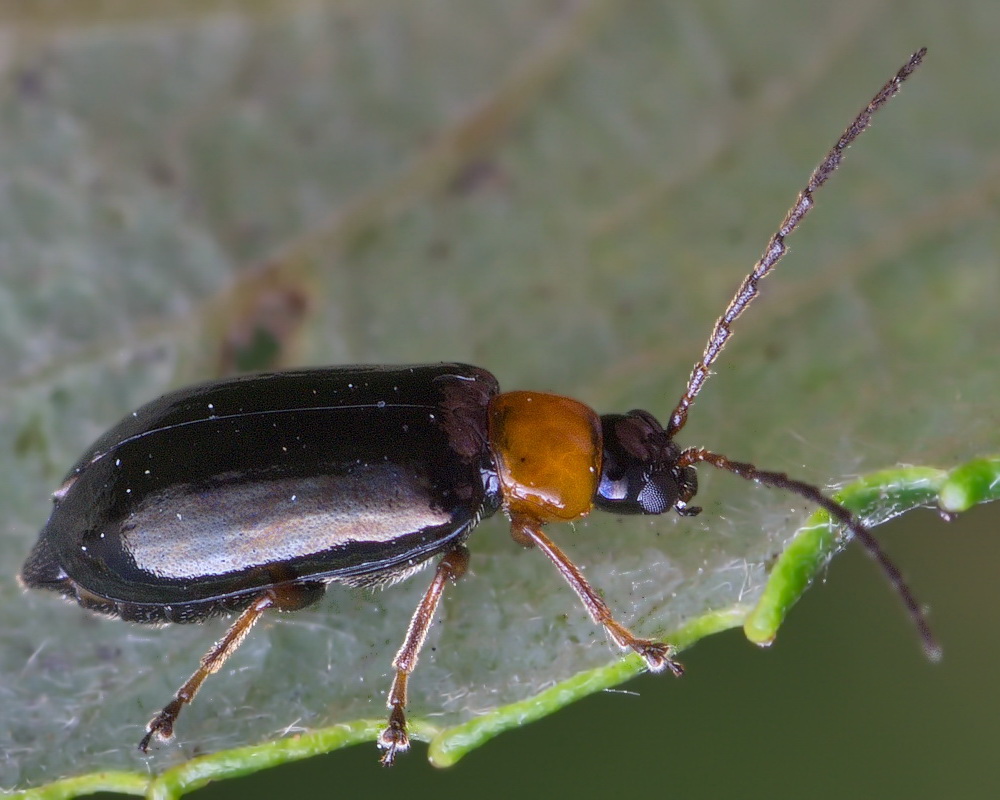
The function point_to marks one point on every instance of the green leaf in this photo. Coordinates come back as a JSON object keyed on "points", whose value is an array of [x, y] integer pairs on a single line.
{"points": [[565, 195]]}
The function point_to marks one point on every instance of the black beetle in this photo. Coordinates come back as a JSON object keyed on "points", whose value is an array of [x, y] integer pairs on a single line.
{"points": [[256, 492]]}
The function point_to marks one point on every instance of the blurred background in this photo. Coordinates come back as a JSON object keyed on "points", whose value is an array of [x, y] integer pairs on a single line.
{"points": [[566, 193]]}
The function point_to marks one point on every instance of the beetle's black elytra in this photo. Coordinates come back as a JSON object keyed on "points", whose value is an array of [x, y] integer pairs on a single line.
{"points": [[254, 493], [204, 497]]}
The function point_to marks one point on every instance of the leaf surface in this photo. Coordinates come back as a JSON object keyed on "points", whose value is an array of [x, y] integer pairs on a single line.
{"points": [[567, 196]]}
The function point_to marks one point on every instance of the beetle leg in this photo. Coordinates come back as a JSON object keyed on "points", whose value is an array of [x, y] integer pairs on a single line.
{"points": [[656, 654], [162, 725], [393, 738]]}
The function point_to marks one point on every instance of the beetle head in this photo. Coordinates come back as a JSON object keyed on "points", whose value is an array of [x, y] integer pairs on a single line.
{"points": [[639, 472]]}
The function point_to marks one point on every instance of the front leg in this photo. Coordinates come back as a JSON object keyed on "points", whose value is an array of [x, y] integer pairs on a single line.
{"points": [[655, 654], [394, 738]]}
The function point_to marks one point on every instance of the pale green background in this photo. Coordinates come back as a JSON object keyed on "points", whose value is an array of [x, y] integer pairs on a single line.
{"points": [[155, 154]]}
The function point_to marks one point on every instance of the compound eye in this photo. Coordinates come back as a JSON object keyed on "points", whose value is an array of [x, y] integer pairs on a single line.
{"points": [[655, 498]]}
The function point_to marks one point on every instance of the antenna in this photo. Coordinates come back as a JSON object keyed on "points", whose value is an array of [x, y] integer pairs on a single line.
{"points": [[745, 295], [779, 480], [776, 246]]}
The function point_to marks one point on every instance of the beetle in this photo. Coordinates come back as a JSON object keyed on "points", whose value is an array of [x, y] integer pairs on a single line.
{"points": [[255, 492]]}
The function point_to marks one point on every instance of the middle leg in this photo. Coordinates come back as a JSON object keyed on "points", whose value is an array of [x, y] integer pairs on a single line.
{"points": [[394, 738]]}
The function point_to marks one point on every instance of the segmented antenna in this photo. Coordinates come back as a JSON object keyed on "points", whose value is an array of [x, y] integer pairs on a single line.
{"points": [[776, 246], [779, 480]]}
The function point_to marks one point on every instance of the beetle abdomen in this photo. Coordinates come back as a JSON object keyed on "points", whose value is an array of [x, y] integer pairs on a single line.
{"points": [[202, 498]]}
